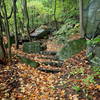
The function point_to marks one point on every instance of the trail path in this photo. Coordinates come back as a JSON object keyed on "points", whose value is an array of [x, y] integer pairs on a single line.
{"points": [[53, 79]]}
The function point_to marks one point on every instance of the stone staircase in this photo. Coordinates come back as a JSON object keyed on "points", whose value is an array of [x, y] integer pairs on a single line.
{"points": [[49, 62], [48, 59]]}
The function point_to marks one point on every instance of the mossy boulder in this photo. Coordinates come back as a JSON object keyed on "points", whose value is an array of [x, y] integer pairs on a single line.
{"points": [[33, 47], [28, 61], [71, 48]]}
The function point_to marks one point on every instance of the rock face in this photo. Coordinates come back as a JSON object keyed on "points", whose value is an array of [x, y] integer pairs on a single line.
{"points": [[33, 47], [91, 21], [40, 33], [91, 16], [71, 48]]}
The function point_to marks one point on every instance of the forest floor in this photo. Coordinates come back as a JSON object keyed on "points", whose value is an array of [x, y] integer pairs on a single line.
{"points": [[74, 81]]}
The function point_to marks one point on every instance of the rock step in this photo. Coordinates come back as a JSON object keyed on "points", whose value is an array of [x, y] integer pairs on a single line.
{"points": [[51, 58], [56, 64], [53, 71], [53, 53]]}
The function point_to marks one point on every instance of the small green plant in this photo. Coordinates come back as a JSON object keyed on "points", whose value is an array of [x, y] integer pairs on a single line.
{"points": [[93, 41], [70, 27], [77, 71], [93, 51], [96, 69], [89, 80], [76, 88]]}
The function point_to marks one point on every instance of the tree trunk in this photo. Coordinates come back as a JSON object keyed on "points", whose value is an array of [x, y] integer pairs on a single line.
{"points": [[7, 29], [1, 40], [64, 10], [55, 15], [81, 18], [25, 11], [15, 23]]}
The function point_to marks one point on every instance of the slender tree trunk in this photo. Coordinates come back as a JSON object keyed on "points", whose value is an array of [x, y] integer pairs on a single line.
{"points": [[1, 39], [2, 46], [81, 18], [15, 23], [32, 19], [7, 29], [55, 15], [49, 12], [21, 25], [24, 4], [64, 10]]}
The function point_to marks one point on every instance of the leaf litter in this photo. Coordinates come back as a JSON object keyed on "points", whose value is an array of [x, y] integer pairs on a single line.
{"points": [[19, 81]]}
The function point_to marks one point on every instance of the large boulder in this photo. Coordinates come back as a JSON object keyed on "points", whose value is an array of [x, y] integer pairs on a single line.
{"points": [[71, 48], [40, 32], [91, 18]]}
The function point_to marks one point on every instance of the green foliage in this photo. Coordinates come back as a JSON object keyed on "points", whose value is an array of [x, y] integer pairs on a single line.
{"points": [[42, 11], [76, 88], [93, 41], [38, 6], [71, 27], [96, 69], [95, 61], [96, 40], [77, 71], [93, 52], [89, 80]]}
